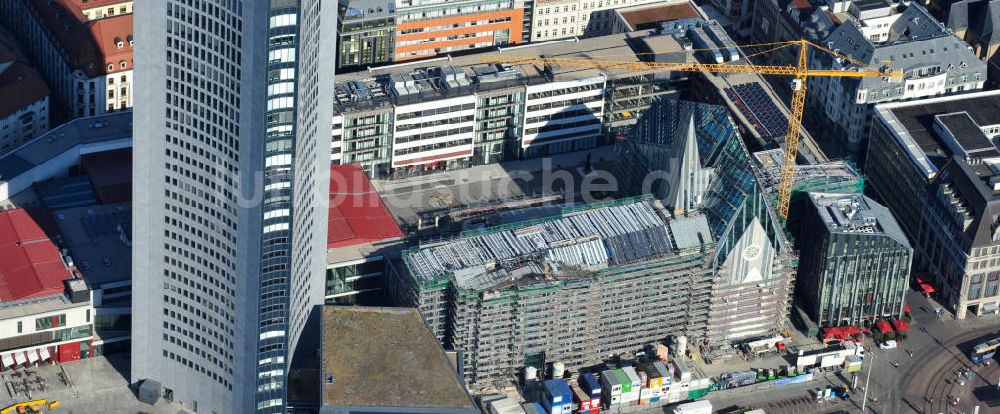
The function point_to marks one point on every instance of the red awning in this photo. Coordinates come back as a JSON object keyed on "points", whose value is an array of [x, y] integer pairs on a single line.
{"points": [[900, 326], [883, 327], [927, 288], [842, 333]]}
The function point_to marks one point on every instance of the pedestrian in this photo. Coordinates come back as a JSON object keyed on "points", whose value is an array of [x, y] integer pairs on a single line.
{"points": [[932, 400]]}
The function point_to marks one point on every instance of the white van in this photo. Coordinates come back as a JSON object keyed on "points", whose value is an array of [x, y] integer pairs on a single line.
{"points": [[890, 344]]}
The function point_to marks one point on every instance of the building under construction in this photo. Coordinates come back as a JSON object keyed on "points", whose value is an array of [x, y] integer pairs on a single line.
{"points": [[592, 282], [606, 279]]}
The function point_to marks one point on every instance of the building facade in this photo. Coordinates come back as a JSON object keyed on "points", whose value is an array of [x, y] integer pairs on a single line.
{"points": [[413, 119], [86, 60], [932, 60], [854, 265], [753, 266], [561, 19], [224, 293], [575, 288], [366, 33], [932, 163], [24, 113], [46, 313], [427, 28]]}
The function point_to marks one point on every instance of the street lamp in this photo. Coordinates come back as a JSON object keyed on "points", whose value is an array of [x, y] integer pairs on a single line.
{"points": [[864, 399]]}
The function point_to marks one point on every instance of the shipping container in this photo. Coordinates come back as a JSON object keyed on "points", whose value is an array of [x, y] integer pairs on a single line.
{"points": [[533, 408], [645, 395], [581, 398], [589, 383], [505, 405], [610, 385], [681, 371], [624, 380], [557, 397]]}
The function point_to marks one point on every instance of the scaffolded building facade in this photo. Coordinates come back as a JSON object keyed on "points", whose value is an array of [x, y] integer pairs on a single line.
{"points": [[753, 266], [593, 282]]}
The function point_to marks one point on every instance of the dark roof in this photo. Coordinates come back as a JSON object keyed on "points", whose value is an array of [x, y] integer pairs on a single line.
{"points": [[918, 120], [967, 133], [385, 358], [110, 174], [865, 5], [979, 16], [20, 86]]}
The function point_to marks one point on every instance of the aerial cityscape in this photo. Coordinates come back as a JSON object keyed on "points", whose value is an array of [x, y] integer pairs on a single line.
{"points": [[499, 206]]}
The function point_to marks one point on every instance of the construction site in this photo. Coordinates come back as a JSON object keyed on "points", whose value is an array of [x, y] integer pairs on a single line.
{"points": [[589, 283]]}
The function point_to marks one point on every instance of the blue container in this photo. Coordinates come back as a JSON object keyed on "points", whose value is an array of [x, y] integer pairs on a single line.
{"points": [[557, 398], [590, 385]]}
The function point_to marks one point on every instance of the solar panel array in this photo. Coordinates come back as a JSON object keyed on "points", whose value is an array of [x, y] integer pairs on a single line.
{"points": [[609, 235], [757, 106]]}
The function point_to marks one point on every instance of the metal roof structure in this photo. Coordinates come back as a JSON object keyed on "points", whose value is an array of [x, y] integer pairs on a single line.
{"points": [[577, 241], [856, 213]]}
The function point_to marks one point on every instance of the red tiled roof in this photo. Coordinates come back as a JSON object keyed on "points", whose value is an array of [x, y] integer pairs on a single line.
{"points": [[30, 264], [357, 214], [88, 45], [20, 86], [640, 19], [90, 4]]}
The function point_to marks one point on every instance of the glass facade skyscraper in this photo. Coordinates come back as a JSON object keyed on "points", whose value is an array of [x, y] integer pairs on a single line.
{"points": [[219, 136]]}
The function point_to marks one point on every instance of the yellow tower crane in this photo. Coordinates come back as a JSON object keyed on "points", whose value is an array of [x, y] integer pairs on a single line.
{"points": [[800, 73]]}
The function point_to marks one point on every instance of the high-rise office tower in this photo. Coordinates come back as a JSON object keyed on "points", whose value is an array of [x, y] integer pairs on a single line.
{"points": [[233, 100]]}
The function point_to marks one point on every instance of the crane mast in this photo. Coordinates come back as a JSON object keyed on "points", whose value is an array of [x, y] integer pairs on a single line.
{"points": [[800, 73]]}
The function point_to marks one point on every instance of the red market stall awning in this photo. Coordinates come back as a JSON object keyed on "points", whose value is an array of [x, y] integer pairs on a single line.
{"points": [[841, 333], [883, 327], [900, 326], [924, 281]]}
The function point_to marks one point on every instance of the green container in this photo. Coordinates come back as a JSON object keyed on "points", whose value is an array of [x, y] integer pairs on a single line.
{"points": [[624, 379]]}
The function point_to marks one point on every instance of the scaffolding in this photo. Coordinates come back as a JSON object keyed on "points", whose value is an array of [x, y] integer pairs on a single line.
{"points": [[593, 283]]}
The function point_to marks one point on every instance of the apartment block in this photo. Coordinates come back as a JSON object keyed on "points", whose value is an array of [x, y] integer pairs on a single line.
{"points": [[85, 59], [426, 28], [24, 111], [933, 61], [561, 19], [423, 117], [366, 33], [934, 164], [854, 265]]}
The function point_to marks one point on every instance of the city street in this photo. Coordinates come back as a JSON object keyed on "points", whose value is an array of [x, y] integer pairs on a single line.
{"points": [[899, 383]]}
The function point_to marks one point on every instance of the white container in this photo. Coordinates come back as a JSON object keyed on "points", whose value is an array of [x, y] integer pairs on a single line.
{"points": [[558, 369], [530, 374]]}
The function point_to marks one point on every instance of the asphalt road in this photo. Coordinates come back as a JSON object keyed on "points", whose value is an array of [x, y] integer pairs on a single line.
{"points": [[900, 383]]}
